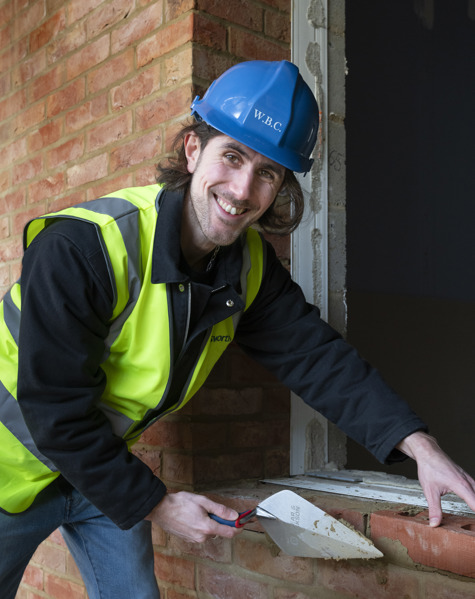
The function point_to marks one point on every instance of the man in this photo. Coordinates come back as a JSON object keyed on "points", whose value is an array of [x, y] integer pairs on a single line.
{"points": [[127, 302]]}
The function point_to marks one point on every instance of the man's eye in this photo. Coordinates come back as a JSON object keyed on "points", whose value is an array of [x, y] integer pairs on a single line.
{"points": [[231, 157], [266, 174]]}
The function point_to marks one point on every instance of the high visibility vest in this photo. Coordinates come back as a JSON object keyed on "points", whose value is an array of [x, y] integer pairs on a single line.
{"points": [[137, 358]]}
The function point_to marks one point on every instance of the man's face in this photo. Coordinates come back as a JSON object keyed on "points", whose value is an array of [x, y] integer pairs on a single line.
{"points": [[231, 188]]}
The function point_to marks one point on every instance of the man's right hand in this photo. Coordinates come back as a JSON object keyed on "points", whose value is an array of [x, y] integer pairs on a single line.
{"points": [[186, 515]]}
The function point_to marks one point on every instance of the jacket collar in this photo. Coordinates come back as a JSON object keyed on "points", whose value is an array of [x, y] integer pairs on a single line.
{"points": [[168, 265]]}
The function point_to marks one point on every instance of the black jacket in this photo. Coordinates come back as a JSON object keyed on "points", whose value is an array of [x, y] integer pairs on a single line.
{"points": [[66, 307]]}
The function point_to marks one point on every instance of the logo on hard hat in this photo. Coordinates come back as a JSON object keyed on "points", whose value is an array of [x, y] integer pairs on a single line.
{"points": [[265, 119]]}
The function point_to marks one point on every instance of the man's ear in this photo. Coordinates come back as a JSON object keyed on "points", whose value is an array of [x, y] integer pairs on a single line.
{"points": [[192, 147]]}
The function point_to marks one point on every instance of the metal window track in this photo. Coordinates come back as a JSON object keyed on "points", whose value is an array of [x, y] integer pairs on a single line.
{"points": [[377, 486]]}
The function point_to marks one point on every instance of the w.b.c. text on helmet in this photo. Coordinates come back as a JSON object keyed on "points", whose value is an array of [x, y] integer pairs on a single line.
{"points": [[265, 119]]}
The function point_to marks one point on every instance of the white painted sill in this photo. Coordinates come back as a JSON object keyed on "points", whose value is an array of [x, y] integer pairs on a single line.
{"points": [[377, 486]]}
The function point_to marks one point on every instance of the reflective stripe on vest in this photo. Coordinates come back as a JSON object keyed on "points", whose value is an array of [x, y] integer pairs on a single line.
{"points": [[136, 379]]}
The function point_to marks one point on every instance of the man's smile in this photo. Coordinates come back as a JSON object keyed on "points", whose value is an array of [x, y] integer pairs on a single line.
{"points": [[229, 208]]}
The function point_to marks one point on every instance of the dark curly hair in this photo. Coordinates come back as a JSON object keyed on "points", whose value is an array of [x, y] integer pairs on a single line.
{"points": [[281, 218]]}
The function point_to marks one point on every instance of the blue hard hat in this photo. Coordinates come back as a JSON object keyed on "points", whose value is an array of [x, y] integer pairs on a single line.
{"points": [[267, 106]]}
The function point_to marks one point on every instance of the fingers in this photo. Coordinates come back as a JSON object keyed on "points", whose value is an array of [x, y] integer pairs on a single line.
{"points": [[186, 516], [435, 509]]}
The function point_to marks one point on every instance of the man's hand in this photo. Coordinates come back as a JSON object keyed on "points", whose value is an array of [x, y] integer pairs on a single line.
{"points": [[438, 474], [186, 515]]}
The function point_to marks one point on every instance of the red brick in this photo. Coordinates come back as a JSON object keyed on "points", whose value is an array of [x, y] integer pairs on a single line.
{"points": [[172, 594], [175, 570], [218, 550], [209, 33], [60, 588], [5, 86], [14, 151], [90, 170], [104, 187], [77, 10], [4, 278], [165, 39], [228, 467], [12, 105], [30, 118], [57, 538], [168, 434], [147, 175], [20, 219], [46, 188], [135, 152], [248, 45], [4, 181], [260, 434], [12, 201], [178, 67], [109, 73], [239, 12], [210, 435], [71, 199], [27, 170], [45, 136], [283, 5], [110, 131], [11, 250], [29, 69], [66, 98], [151, 457], [90, 56], [286, 594], [163, 108], [12, 55], [33, 577], [70, 150], [446, 588], [175, 8], [220, 584], [229, 402], [48, 30], [373, 579], [4, 233], [277, 25], [16, 270], [276, 463], [28, 19], [47, 83], [5, 36], [87, 114], [448, 547], [107, 16], [141, 25], [63, 45], [133, 90], [6, 12], [254, 552], [177, 468], [51, 556]]}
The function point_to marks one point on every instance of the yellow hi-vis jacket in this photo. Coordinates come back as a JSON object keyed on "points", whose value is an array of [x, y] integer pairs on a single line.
{"points": [[137, 358]]}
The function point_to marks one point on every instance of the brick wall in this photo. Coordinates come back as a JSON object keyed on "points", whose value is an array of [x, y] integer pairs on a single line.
{"points": [[91, 94]]}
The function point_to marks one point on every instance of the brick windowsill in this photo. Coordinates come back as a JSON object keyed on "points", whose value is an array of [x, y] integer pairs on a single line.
{"points": [[402, 533]]}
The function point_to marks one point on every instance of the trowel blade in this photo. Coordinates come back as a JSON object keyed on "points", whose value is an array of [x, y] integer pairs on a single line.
{"points": [[301, 529]]}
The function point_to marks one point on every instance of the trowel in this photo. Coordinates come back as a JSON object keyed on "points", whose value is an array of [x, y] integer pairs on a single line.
{"points": [[301, 529]]}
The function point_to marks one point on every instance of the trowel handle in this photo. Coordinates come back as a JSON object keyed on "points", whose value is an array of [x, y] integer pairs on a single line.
{"points": [[244, 517]]}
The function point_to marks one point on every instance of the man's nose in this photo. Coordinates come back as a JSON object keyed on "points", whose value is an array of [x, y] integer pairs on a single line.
{"points": [[241, 184]]}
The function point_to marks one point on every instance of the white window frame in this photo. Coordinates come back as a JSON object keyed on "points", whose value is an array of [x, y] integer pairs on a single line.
{"points": [[309, 249]]}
